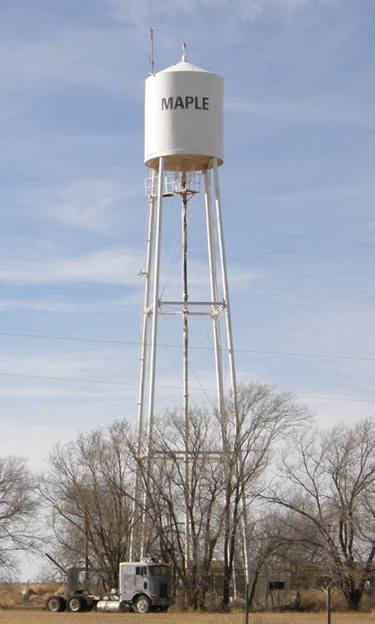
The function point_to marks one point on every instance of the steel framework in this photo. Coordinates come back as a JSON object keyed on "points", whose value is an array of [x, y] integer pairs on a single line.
{"points": [[161, 186]]}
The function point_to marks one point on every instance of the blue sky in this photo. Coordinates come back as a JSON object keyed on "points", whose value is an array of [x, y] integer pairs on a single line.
{"points": [[298, 196]]}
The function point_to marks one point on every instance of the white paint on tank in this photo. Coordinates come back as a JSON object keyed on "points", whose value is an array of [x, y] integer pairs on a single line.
{"points": [[184, 118]]}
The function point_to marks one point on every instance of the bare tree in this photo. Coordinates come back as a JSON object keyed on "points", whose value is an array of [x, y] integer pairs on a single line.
{"points": [[168, 493], [90, 486], [18, 508], [88, 489], [249, 435], [228, 454], [330, 481]]}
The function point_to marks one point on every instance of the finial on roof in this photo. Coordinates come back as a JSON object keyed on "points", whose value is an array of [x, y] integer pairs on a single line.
{"points": [[184, 52]]}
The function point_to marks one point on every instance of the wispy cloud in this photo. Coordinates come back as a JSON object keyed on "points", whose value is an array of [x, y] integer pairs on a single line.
{"points": [[80, 367], [314, 110], [253, 9], [329, 412], [131, 11], [88, 57], [113, 266], [68, 306], [92, 205], [108, 266]]}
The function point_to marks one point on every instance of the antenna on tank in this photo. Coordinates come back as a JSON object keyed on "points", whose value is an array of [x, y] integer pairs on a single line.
{"points": [[152, 59], [184, 46]]}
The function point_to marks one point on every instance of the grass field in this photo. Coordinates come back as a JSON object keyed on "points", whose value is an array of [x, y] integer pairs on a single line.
{"points": [[43, 617], [14, 610]]}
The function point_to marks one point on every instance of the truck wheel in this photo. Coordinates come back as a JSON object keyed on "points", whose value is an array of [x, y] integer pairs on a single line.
{"points": [[141, 604], [55, 604], [76, 604], [90, 604]]}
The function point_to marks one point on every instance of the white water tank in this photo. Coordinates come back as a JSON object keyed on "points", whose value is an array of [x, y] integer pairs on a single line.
{"points": [[184, 118]]}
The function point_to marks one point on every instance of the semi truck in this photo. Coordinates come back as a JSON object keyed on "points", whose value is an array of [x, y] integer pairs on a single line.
{"points": [[143, 586]]}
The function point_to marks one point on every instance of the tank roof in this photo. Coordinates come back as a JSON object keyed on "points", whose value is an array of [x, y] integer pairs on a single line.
{"points": [[185, 66]]}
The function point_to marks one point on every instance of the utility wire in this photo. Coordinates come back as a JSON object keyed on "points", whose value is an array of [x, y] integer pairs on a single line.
{"points": [[330, 356], [79, 380], [168, 387]]}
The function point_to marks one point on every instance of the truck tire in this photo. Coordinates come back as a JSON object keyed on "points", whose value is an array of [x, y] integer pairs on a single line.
{"points": [[141, 604], [90, 603], [55, 604], [77, 604]]}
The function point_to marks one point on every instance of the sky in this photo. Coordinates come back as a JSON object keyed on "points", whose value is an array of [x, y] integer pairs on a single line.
{"points": [[298, 196]]}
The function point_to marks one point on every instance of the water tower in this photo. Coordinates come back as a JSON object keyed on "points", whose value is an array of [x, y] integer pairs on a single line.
{"points": [[183, 144]]}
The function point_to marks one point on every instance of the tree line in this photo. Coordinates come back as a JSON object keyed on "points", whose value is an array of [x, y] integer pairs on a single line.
{"points": [[307, 495]]}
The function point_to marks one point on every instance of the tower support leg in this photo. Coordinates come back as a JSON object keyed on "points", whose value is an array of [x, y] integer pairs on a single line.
{"points": [[214, 290], [153, 352], [143, 365], [232, 368], [185, 364]]}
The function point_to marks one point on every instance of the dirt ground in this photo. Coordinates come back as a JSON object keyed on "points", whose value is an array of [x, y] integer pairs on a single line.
{"points": [[43, 617]]}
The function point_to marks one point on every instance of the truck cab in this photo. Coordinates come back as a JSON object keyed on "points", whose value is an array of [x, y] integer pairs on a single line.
{"points": [[145, 585]]}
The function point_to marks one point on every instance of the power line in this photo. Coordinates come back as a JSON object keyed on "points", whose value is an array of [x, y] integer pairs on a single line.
{"points": [[334, 398], [68, 338], [70, 379], [329, 356], [80, 380], [167, 387]]}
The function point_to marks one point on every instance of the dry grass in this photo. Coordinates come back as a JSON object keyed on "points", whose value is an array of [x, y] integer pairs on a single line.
{"points": [[43, 617], [14, 610], [12, 595]]}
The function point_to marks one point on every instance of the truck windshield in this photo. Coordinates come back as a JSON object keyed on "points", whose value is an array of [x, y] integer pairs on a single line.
{"points": [[159, 570]]}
